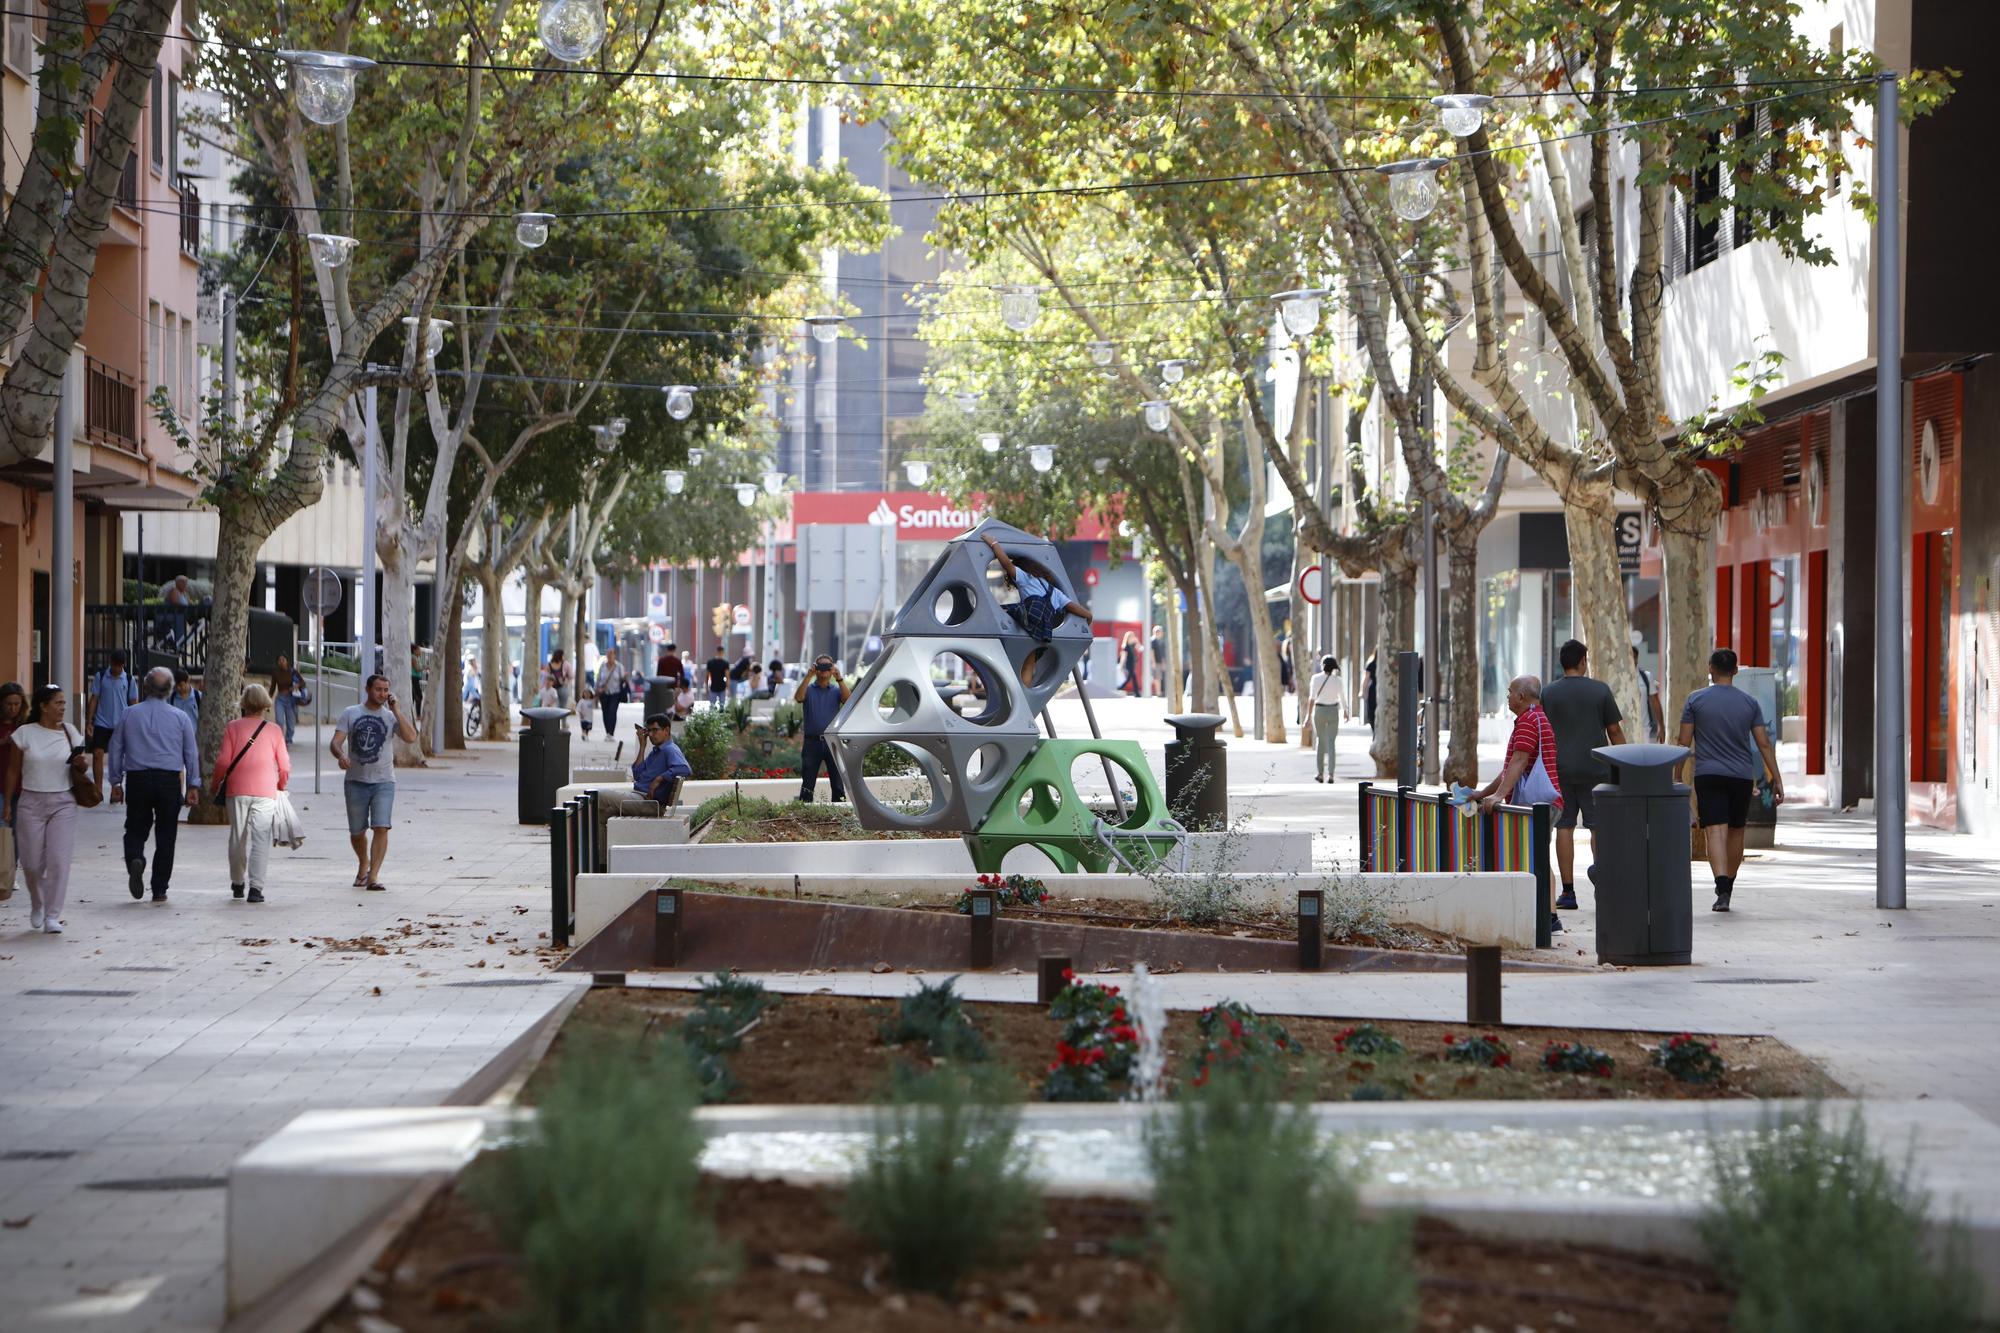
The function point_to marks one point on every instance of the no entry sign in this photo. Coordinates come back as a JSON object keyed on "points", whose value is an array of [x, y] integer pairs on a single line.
{"points": [[1312, 584]]}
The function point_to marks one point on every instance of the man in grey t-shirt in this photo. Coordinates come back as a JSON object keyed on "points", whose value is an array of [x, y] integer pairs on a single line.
{"points": [[1723, 724], [364, 746], [1584, 715]]}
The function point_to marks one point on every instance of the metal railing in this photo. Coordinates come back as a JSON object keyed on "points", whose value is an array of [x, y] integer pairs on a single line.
{"points": [[1403, 829], [149, 636], [110, 404]]}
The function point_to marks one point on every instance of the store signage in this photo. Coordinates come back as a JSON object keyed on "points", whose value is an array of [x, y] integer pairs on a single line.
{"points": [[1630, 528], [915, 515]]}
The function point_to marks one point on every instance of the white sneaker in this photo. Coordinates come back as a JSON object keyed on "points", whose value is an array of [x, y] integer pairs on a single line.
{"points": [[35, 918], [52, 926]]}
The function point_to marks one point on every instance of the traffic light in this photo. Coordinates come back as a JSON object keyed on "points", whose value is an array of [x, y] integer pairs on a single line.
{"points": [[719, 618]]}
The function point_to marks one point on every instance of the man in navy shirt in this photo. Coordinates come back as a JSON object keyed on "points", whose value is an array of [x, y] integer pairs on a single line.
{"points": [[1723, 724], [653, 775], [821, 694], [152, 753]]}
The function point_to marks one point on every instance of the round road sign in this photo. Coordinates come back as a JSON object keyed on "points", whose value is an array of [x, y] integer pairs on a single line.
{"points": [[1312, 584], [321, 591]]}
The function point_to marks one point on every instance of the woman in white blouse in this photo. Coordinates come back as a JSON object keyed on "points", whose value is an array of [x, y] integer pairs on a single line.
{"points": [[52, 754], [1327, 693]]}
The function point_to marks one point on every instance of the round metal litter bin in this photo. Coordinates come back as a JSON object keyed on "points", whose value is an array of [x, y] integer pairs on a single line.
{"points": [[1645, 895], [1198, 771], [544, 758]]}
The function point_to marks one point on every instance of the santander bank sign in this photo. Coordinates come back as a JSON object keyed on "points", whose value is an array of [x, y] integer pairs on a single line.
{"points": [[915, 515]]}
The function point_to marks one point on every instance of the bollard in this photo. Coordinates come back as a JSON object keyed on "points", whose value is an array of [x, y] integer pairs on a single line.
{"points": [[586, 843], [984, 908], [1482, 983], [558, 879], [1049, 977], [1312, 937], [667, 928]]}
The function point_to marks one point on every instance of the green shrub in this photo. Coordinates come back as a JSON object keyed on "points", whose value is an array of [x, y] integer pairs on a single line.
{"points": [[1366, 1039], [944, 1189], [1818, 1234], [1235, 1039], [1098, 1045], [1261, 1228], [1482, 1049], [887, 760], [788, 718], [705, 740], [1689, 1059], [936, 1016], [1575, 1057], [600, 1198], [738, 713]]}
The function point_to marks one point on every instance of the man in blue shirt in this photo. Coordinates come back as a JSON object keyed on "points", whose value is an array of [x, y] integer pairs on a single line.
{"points": [[1723, 724], [152, 751], [653, 775], [112, 691], [821, 694]]}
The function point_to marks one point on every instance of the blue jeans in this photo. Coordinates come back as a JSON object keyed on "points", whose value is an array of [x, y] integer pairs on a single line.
{"points": [[369, 805], [812, 753], [288, 715]]}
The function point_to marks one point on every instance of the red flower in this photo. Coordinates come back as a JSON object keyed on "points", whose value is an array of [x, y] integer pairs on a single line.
{"points": [[1069, 974], [1118, 1014]]}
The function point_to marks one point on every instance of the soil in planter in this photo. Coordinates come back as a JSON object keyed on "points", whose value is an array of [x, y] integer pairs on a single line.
{"points": [[755, 819], [823, 1048], [801, 1268]]}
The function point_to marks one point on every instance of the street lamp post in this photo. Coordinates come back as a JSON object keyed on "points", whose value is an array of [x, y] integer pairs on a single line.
{"points": [[1891, 686]]}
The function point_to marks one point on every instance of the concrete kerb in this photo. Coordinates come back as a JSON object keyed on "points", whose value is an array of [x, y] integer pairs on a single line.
{"points": [[1480, 909], [328, 1173], [693, 793], [1257, 851]]}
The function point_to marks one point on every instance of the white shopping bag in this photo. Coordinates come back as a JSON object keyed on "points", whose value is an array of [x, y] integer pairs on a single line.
{"points": [[286, 828]]}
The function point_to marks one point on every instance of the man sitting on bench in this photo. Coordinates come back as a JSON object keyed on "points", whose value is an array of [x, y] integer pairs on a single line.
{"points": [[656, 776]]}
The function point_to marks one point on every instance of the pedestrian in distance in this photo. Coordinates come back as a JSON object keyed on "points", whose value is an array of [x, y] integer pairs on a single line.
{"points": [[253, 766], [1328, 691], [757, 690], [1529, 775], [1585, 715], [112, 691], [361, 746], [1128, 663], [186, 697], [1649, 690], [1368, 692], [49, 759], [1157, 647], [289, 693], [774, 676], [155, 770], [614, 688], [821, 694], [13, 713], [1725, 728], [717, 669], [670, 662]]}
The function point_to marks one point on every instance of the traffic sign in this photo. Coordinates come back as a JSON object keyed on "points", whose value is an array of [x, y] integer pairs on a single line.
{"points": [[1312, 584], [740, 618], [321, 591], [657, 633]]}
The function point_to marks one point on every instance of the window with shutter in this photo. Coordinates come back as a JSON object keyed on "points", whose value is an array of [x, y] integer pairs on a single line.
{"points": [[158, 127], [24, 25]]}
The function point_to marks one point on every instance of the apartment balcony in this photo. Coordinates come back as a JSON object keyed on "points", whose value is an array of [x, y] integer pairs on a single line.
{"points": [[111, 406], [190, 216]]}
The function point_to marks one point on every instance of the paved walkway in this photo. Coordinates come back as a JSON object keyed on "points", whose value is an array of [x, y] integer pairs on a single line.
{"points": [[156, 1044], [224, 1020]]}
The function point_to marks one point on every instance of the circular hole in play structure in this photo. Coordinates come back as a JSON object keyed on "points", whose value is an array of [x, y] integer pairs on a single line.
{"points": [[1040, 800], [913, 762], [897, 701], [1028, 859], [987, 767], [984, 697], [1089, 779], [955, 604], [1039, 671]]}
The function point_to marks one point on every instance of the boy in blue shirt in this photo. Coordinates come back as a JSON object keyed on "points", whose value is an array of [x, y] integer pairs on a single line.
{"points": [[1726, 728]]}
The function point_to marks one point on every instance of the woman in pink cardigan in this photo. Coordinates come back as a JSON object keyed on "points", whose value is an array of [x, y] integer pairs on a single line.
{"points": [[252, 769]]}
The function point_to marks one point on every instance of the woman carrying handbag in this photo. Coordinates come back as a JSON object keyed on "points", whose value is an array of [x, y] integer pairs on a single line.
{"points": [[45, 778], [255, 765], [1529, 777]]}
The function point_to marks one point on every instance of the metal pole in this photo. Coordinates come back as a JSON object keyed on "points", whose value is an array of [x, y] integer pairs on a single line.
{"points": [[1433, 663], [319, 697], [440, 669], [229, 352], [364, 601], [1323, 409], [1090, 714], [1892, 704], [62, 546]]}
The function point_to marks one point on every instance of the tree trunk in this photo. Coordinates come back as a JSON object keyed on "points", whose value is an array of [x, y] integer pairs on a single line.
{"points": [[397, 612], [1305, 656], [449, 678], [1461, 765], [531, 635], [1209, 670], [1171, 669], [1247, 556], [496, 713], [1395, 631], [228, 647], [1687, 573], [1598, 593]]}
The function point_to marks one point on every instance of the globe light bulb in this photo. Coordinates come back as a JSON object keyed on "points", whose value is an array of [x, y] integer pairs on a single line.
{"points": [[917, 470], [1020, 307], [1157, 413], [606, 441], [677, 481], [774, 482], [532, 229], [1098, 465], [695, 456], [967, 400], [1462, 113], [1300, 309], [617, 427], [323, 83], [825, 328], [1041, 457], [1413, 187], [1100, 353], [989, 440], [1172, 371], [434, 343], [680, 401], [329, 249], [572, 29], [746, 493]]}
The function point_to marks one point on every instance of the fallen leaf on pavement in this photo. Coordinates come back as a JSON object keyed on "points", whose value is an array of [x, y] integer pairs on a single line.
{"points": [[16, 1223]]}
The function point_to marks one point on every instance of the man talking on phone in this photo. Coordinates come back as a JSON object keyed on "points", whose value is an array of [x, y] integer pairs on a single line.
{"points": [[821, 693], [361, 747], [656, 775]]}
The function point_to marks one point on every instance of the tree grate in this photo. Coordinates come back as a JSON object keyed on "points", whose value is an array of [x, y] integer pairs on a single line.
{"points": [[159, 1184]]}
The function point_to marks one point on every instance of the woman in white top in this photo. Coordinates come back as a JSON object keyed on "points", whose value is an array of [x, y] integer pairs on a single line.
{"points": [[1327, 692], [44, 811]]}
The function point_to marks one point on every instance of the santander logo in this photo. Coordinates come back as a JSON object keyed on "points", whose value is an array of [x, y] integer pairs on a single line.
{"points": [[882, 516], [936, 515]]}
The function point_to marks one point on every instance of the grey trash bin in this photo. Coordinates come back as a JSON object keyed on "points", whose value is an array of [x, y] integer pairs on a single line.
{"points": [[544, 762], [659, 697], [1198, 771], [1639, 839]]}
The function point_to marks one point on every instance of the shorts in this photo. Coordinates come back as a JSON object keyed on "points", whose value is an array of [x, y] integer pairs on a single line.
{"points": [[1578, 804], [369, 805], [1722, 800], [100, 738]]}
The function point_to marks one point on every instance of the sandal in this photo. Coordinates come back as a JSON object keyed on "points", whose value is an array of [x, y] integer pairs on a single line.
{"points": [[360, 879], [376, 886]]}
